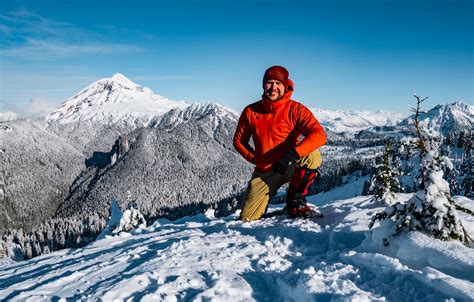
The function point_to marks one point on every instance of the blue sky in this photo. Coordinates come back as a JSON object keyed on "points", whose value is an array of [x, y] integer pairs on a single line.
{"points": [[358, 55]]}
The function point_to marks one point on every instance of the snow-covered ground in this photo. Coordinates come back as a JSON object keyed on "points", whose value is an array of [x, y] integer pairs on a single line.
{"points": [[203, 258]]}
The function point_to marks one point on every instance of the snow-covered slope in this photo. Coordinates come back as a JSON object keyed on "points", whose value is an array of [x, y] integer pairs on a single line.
{"points": [[352, 121], [446, 118], [112, 100], [8, 116], [204, 258], [37, 168]]}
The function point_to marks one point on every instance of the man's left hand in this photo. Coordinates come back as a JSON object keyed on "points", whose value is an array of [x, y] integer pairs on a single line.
{"points": [[281, 166]]}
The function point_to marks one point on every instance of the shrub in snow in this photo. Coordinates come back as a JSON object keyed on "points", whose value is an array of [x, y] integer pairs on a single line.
{"points": [[385, 181], [131, 219], [118, 222]]}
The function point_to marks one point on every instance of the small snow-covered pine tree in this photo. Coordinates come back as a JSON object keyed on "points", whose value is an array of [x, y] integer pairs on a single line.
{"points": [[131, 218], [431, 209], [468, 171], [385, 181]]}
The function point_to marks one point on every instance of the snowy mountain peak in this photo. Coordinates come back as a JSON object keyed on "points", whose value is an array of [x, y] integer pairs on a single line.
{"points": [[446, 118], [112, 100], [119, 81], [120, 78]]}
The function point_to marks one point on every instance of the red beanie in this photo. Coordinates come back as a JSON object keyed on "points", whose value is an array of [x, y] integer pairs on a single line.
{"points": [[278, 73]]}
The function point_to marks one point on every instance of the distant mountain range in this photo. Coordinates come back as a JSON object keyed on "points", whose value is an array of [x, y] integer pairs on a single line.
{"points": [[353, 121], [119, 101]]}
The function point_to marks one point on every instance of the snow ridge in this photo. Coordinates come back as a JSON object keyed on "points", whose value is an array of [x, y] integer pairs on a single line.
{"points": [[217, 114]]}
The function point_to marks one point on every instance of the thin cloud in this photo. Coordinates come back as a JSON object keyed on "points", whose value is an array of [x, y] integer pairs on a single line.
{"points": [[4, 29], [41, 49], [24, 24], [38, 106], [31, 36], [21, 90], [35, 107], [161, 78], [114, 30]]}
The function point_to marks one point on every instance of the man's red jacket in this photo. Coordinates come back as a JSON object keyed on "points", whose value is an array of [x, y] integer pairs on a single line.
{"points": [[276, 128]]}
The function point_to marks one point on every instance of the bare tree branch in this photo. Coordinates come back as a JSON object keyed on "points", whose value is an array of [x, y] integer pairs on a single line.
{"points": [[423, 146]]}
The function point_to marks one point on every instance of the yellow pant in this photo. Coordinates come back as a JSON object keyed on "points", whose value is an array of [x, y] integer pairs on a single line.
{"points": [[264, 185]]}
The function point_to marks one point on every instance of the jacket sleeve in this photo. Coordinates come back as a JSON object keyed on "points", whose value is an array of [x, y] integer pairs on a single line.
{"points": [[314, 136], [242, 137]]}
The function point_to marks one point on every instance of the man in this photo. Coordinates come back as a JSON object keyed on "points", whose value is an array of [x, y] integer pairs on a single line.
{"points": [[276, 124]]}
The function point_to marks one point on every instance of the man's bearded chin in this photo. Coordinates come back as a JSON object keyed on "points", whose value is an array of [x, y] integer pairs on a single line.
{"points": [[269, 92]]}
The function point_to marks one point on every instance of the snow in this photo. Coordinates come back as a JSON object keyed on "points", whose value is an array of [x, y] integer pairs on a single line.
{"points": [[352, 188], [202, 258]]}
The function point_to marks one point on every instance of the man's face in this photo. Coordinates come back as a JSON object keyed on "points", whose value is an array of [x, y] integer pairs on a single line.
{"points": [[274, 90]]}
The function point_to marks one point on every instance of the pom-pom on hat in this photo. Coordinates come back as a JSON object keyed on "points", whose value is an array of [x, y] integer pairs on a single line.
{"points": [[278, 73]]}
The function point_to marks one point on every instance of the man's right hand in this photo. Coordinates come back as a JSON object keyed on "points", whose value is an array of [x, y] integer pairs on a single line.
{"points": [[282, 165]]}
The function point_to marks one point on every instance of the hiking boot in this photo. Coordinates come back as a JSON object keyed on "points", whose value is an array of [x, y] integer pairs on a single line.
{"points": [[304, 212]]}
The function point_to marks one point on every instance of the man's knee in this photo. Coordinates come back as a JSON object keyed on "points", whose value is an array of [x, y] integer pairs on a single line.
{"points": [[253, 209], [311, 161], [260, 189]]}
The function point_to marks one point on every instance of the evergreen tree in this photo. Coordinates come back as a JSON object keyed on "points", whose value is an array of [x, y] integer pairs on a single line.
{"points": [[463, 140], [385, 181], [467, 181], [409, 166], [451, 173]]}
